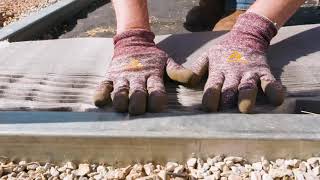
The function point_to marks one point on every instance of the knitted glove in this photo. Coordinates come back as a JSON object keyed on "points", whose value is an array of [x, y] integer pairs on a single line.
{"points": [[237, 64], [135, 74]]}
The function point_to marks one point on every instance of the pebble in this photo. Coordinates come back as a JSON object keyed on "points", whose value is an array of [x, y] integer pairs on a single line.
{"points": [[210, 161], [255, 176], [257, 166], [234, 177], [206, 166], [179, 169], [163, 175], [192, 162], [170, 166], [102, 170], [280, 162], [267, 177], [234, 159], [265, 165], [150, 177], [200, 163], [230, 168], [148, 168], [13, 10], [303, 167], [229, 163], [314, 161], [279, 173], [298, 175], [316, 171], [70, 165], [54, 172], [82, 170], [33, 166], [220, 165]]}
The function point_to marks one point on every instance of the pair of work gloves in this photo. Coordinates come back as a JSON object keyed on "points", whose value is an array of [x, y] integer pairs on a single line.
{"points": [[235, 68]]}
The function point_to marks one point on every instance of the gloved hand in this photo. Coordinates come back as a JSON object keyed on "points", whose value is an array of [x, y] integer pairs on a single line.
{"points": [[237, 64], [135, 74]]}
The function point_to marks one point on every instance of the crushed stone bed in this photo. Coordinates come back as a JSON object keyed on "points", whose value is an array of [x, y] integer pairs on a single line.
{"points": [[13, 10], [213, 168]]}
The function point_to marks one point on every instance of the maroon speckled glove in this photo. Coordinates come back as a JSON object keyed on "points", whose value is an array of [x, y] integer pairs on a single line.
{"points": [[237, 64], [135, 74]]}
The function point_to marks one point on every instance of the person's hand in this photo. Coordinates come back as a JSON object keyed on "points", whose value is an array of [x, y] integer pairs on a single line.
{"points": [[237, 64], [135, 74]]}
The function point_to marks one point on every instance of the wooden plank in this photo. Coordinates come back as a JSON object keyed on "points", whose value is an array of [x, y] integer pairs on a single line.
{"points": [[62, 74]]}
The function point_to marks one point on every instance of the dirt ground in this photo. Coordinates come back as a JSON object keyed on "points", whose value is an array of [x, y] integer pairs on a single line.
{"points": [[12, 10]]}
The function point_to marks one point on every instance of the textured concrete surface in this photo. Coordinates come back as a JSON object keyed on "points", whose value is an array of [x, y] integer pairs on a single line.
{"points": [[62, 74]]}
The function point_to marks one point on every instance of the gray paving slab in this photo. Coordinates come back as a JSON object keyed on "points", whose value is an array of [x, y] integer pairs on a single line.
{"points": [[60, 75], [114, 139]]}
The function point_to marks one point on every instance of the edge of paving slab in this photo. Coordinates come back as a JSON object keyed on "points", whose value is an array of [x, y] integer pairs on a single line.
{"points": [[42, 20], [120, 139]]}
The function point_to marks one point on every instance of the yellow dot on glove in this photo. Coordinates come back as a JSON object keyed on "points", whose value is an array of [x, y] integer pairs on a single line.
{"points": [[236, 57], [135, 64]]}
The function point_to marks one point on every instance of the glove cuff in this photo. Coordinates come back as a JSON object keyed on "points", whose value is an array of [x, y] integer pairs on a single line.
{"points": [[135, 35], [253, 31]]}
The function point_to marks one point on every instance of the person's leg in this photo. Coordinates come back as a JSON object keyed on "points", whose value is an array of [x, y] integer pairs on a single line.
{"points": [[131, 14]]}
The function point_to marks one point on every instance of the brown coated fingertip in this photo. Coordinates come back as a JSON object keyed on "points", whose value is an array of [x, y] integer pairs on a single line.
{"points": [[274, 91], [157, 101], [138, 103], [247, 100], [102, 95], [182, 75], [121, 101], [210, 100]]}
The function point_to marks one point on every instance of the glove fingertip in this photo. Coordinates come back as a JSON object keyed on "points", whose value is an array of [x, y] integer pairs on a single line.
{"points": [[247, 100], [274, 91], [181, 75]]}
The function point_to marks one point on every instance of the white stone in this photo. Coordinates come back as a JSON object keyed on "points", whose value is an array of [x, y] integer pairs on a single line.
{"points": [[314, 161], [170, 166], [234, 159], [316, 171], [298, 175], [265, 165], [267, 177], [234, 177], [279, 173], [70, 165], [102, 170], [206, 166], [148, 168], [179, 169], [255, 176], [220, 165], [257, 166], [82, 170]]}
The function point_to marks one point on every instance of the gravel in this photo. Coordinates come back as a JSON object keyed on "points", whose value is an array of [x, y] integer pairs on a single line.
{"points": [[213, 168], [13, 10]]}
